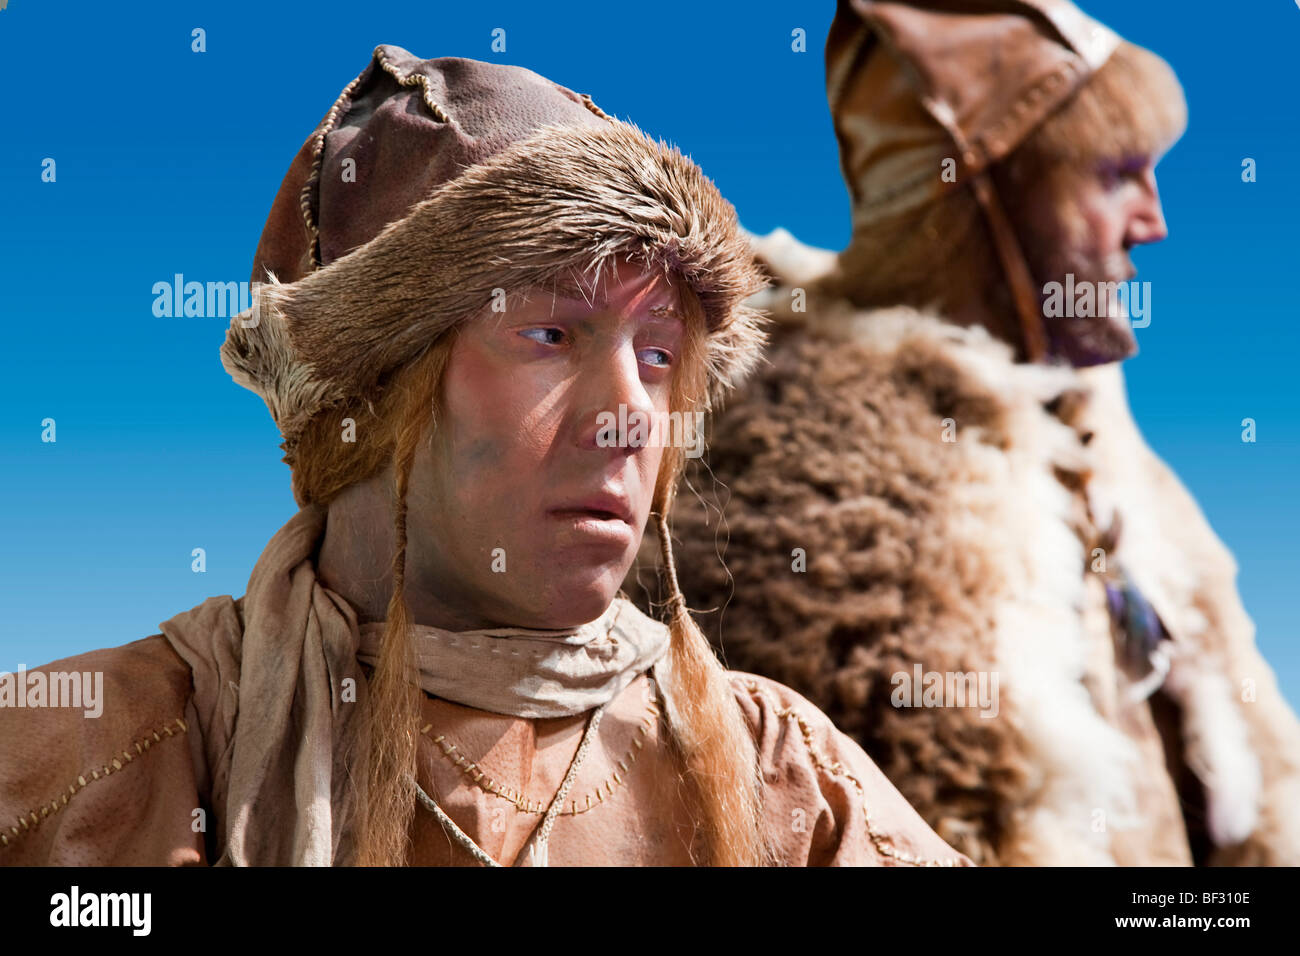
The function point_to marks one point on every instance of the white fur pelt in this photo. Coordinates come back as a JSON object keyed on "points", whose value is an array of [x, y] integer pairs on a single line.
{"points": [[973, 554]]}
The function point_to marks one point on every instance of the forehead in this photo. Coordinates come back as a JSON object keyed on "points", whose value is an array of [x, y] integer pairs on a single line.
{"points": [[619, 284]]}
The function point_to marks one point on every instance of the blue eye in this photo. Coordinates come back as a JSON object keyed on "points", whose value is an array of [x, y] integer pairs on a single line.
{"points": [[528, 333], [665, 359]]}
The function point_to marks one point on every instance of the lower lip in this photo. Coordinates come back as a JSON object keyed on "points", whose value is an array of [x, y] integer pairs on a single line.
{"points": [[611, 530]]}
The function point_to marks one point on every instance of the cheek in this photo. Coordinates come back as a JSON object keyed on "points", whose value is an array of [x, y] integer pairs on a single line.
{"points": [[650, 459], [648, 465], [1104, 218], [497, 424]]}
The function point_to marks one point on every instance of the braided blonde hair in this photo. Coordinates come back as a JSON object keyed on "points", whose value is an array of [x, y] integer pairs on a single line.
{"points": [[714, 747]]}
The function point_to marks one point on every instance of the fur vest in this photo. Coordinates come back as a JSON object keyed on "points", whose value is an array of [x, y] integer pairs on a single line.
{"points": [[894, 501]]}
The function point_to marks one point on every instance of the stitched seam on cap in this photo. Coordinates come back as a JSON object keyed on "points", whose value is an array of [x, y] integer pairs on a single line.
{"points": [[588, 102], [318, 154], [414, 79]]}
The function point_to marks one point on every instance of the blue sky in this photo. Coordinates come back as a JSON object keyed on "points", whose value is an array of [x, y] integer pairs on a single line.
{"points": [[167, 162]]}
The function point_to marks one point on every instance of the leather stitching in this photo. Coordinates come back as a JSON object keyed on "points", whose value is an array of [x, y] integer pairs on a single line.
{"points": [[884, 845], [414, 79], [318, 155], [115, 764], [604, 789], [588, 102]]}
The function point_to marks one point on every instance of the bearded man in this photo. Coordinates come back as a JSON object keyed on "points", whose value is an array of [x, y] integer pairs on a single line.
{"points": [[432, 664], [936, 486]]}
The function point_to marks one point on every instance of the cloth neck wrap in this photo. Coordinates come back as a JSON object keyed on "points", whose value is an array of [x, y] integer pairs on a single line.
{"points": [[279, 694], [531, 673]]}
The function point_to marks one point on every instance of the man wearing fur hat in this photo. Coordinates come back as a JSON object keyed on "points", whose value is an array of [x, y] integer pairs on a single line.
{"points": [[432, 663], [936, 482]]}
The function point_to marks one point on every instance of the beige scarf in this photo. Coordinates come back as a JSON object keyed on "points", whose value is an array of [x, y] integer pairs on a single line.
{"points": [[279, 687]]}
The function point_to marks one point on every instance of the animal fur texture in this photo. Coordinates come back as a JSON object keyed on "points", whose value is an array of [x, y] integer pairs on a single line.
{"points": [[563, 201], [976, 554]]}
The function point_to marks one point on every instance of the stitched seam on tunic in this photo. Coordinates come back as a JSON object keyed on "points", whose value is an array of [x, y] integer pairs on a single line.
{"points": [[603, 790], [115, 764], [883, 843]]}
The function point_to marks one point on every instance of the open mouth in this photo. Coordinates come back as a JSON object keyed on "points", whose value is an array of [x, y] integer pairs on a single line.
{"points": [[596, 526], [590, 514], [597, 506]]}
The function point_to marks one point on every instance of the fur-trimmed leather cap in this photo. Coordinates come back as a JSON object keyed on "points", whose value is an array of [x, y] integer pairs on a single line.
{"points": [[910, 83], [429, 185], [916, 85]]}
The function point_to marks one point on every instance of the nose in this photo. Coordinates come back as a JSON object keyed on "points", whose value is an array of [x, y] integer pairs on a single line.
{"points": [[613, 398], [1146, 223]]}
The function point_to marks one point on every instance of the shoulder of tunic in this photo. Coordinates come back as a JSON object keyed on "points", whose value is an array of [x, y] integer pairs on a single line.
{"points": [[825, 802], [117, 787]]}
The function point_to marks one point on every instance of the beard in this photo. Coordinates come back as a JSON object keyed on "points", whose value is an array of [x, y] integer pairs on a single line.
{"points": [[1084, 340]]}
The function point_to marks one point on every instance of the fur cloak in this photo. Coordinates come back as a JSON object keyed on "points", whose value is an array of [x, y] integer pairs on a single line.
{"points": [[952, 509]]}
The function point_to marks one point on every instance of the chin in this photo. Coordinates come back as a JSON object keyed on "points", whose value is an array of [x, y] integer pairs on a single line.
{"points": [[1088, 342], [575, 597]]}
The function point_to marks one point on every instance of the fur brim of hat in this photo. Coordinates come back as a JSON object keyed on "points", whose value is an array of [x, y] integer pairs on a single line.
{"points": [[563, 200]]}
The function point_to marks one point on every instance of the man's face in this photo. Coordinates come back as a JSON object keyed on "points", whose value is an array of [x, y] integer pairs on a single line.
{"points": [[520, 512], [1084, 222]]}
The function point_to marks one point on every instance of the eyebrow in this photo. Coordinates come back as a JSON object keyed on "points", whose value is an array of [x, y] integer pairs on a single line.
{"points": [[1128, 163], [571, 289], [602, 302]]}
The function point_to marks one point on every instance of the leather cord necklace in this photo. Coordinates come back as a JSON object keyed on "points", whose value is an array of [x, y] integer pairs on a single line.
{"points": [[538, 841]]}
